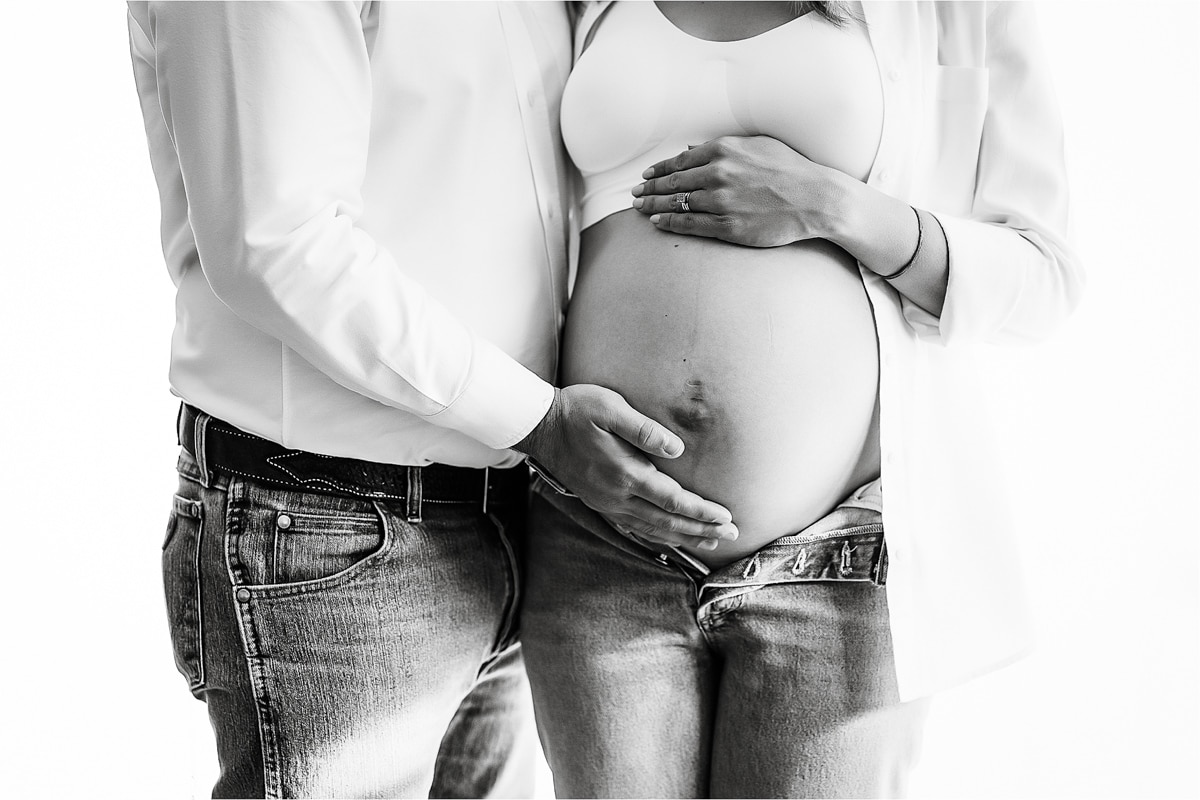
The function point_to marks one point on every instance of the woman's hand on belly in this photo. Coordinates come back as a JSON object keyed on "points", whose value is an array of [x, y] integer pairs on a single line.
{"points": [[748, 190], [757, 191], [598, 446]]}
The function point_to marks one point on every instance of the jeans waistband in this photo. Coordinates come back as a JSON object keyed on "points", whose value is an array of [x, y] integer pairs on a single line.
{"points": [[218, 446], [854, 554], [845, 545]]}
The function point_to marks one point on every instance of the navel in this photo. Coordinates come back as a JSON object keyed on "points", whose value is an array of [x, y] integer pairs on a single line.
{"points": [[691, 412]]}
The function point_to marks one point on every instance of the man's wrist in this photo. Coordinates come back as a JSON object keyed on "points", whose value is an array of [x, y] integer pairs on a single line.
{"points": [[534, 443], [537, 442]]}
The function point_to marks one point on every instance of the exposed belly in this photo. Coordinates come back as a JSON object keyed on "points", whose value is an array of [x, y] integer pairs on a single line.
{"points": [[764, 361]]}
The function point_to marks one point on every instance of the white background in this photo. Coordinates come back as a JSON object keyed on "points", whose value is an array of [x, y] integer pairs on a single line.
{"points": [[1100, 427]]}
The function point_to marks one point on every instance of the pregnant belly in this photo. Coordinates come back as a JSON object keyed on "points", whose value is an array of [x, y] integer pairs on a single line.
{"points": [[764, 361]]}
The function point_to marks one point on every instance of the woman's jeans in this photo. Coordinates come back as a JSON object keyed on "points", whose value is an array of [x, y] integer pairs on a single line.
{"points": [[344, 651], [770, 677]]}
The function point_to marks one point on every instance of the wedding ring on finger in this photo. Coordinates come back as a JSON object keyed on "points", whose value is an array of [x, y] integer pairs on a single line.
{"points": [[681, 201]]}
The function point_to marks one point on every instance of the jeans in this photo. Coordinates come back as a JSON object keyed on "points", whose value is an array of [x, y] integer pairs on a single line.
{"points": [[769, 677], [344, 651]]}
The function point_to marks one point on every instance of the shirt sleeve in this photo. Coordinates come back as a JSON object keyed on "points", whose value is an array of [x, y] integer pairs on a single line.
{"points": [[1013, 277], [268, 106]]}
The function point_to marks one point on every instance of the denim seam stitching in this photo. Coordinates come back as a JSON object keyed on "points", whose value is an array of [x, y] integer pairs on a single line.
{"points": [[268, 743], [854, 530], [795, 579], [512, 586], [272, 774], [199, 588]]}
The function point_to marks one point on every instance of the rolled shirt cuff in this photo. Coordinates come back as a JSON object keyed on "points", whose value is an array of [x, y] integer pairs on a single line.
{"points": [[502, 402]]}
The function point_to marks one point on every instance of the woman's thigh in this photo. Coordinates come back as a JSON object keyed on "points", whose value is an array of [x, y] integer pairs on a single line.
{"points": [[808, 704], [623, 681]]}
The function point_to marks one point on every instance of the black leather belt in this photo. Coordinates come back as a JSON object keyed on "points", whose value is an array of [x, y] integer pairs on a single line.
{"points": [[220, 447]]}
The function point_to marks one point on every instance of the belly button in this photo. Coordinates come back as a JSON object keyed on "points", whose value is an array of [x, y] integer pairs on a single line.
{"points": [[692, 413], [693, 416]]}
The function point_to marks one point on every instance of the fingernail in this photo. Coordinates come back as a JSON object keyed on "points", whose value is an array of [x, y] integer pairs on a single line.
{"points": [[708, 544], [672, 448], [638, 202], [637, 190], [729, 533], [648, 174], [654, 218], [724, 519]]}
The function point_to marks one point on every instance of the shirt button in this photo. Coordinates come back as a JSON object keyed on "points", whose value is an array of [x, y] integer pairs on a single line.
{"points": [[887, 359], [884, 174], [284, 522], [531, 97], [242, 595], [891, 458], [893, 75]]}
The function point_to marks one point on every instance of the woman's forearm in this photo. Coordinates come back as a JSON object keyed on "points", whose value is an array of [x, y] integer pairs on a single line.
{"points": [[757, 191], [881, 232]]}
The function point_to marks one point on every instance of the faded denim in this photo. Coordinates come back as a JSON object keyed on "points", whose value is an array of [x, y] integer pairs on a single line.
{"points": [[770, 677], [344, 651]]}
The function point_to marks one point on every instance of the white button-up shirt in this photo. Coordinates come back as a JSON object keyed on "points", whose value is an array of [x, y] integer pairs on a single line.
{"points": [[971, 133], [363, 211]]}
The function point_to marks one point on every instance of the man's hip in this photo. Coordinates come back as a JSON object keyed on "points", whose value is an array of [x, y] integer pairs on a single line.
{"points": [[334, 635]]}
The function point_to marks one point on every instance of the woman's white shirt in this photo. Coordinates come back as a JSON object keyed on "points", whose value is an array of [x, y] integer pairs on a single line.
{"points": [[971, 133]]}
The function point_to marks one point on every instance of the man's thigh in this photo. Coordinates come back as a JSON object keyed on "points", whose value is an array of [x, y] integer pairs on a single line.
{"points": [[622, 682], [808, 705], [490, 747], [332, 639]]}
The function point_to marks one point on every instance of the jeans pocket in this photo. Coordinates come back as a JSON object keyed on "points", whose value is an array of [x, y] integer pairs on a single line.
{"points": [[286, 538], [315, 547], [181, 583]]}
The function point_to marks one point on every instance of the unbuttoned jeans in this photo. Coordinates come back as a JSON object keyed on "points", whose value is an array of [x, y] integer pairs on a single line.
{"points": [[344, 651], [770, 677]]}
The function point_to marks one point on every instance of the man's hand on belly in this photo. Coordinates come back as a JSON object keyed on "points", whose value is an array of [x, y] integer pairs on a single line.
{"points": [[597, 445]]}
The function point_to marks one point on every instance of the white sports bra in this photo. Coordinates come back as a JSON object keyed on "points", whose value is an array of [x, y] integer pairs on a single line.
{"points": [[644, 90]]}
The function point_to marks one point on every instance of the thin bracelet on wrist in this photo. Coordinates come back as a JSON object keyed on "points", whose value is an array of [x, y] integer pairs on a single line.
{"points": [[913, 258]]}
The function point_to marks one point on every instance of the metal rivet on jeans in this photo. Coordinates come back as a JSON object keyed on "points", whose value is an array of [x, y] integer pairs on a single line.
{"points": [[242, 595], [284, 522], [662, 558]]}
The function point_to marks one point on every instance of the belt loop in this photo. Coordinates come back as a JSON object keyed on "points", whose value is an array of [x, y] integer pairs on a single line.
{"points": [[200, 438], [487, 479], [881, 566], [414, 494]]}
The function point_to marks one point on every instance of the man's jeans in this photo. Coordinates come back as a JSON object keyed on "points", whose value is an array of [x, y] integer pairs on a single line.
{"points": [[770, 677], [344, 651]]}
